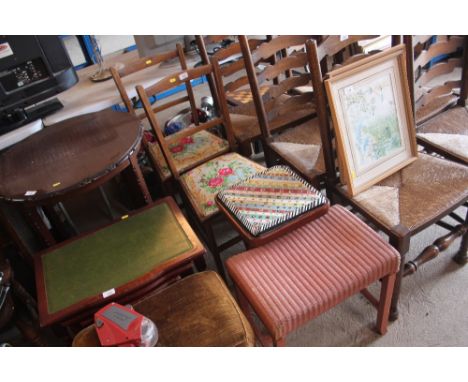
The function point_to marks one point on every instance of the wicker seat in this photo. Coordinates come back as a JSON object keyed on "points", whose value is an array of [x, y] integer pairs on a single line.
{"points": [[411, 197], [448, 131], [301, 146], [305, 273], [196, 311]]}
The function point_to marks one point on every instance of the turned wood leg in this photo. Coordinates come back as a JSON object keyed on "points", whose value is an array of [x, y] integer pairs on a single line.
{"points": [[462, 255], [386, 293], [248, 312], [401, 244], [139, 183], [35, 220], [434, 250], [211, 242]]}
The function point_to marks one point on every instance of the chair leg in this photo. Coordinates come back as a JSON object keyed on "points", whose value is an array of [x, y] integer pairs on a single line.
{"points": [[462, 255], [245, 149], [401, 244], [211, 242], [270, 156], [386, 293]]}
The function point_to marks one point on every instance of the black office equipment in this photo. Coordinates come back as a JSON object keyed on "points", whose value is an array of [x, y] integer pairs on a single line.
{"points": [[32, 69]]}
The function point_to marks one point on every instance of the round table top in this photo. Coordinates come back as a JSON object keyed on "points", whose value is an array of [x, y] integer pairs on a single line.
{"points": [[67, 155]]}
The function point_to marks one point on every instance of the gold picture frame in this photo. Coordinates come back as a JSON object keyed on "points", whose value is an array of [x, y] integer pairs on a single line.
{"points": [[373, 120]]}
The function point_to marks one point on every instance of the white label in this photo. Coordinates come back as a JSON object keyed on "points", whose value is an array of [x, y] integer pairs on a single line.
{"points": [[343, 37], [183, 76], [30, 193], [108, 293], [5, 50]]}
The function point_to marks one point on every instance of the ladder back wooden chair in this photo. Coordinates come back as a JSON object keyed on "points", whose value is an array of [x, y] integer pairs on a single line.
{"points": [[153, 150], [201, 162], [438, 77], [236, 88], [139, 66], [407, 202], [290, 130]]}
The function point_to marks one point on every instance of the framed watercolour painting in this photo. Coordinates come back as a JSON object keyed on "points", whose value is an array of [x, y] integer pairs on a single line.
{"points": [[373, 120]]}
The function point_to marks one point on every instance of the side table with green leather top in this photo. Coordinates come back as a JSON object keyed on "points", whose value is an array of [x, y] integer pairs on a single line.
{"points": [[120, 262]]}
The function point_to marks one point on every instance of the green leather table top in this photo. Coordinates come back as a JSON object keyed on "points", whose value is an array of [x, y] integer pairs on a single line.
{"points": [[112, 257]]}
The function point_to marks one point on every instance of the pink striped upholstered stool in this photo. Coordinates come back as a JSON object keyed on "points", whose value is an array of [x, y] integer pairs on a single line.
{"points": [[293, 279]]}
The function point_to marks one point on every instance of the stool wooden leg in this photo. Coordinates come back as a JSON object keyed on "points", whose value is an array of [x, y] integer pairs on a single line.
{"points": [[281, 342], [386, 292], [248, 312]]}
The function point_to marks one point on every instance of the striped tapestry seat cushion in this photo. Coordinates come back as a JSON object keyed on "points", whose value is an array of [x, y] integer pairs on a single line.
{"points": [[270, 198], [295, 278]]}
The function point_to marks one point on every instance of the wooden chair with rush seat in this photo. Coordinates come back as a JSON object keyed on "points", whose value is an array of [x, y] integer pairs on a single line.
{"points": [[202, 163], [438, 78], [289, 127], [236, 87], [405, 203]]}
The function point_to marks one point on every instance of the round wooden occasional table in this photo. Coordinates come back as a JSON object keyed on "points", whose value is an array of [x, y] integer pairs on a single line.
{"points": [[68, 158]]}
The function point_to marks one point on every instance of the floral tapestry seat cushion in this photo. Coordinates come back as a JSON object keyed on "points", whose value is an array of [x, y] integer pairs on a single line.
{"points": [[188, 152], [203, 183]]}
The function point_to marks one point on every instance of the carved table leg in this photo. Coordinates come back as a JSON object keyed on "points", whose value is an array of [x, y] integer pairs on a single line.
{"points": [[135, 175], [401, 244], [33, 217]]}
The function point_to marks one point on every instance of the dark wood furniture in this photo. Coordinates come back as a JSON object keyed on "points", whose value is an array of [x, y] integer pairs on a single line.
{"points": [[195, 311], [119, 73], [121, 262], [298, 276], [439, 93], [17, 306], [68, 159], [404, 204], [287, 118], [236, 88], [152, 149], [213, 165]]}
